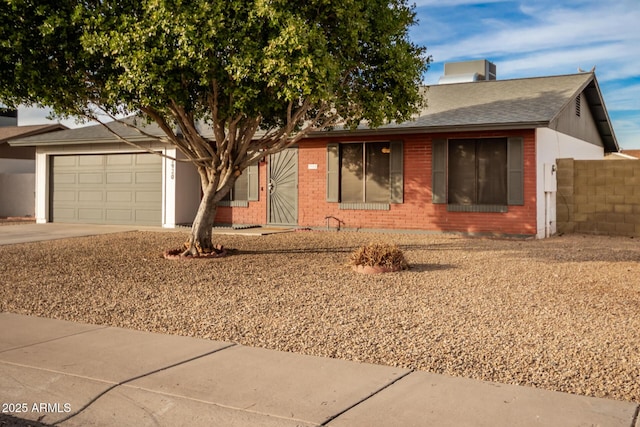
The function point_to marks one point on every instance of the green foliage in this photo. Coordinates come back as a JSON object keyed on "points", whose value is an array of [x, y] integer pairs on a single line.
{"points": [[250, 58], [379, 255], [284, 67]]}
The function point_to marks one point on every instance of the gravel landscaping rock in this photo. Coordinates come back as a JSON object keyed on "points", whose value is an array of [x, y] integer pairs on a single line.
{"points": [[560, 314]]}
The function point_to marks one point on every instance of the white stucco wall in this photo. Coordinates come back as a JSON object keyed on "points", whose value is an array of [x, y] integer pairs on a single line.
{"points": [[552, 145], [182, 188], [187, 198]]}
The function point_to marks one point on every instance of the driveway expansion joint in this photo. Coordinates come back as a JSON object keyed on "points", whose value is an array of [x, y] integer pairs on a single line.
{"points": [[384, 387], [137, 377], [634, 420], [97, 328]]}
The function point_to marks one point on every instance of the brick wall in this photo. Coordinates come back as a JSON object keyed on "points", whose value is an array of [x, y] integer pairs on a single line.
{"points": [[417, 212], [256, 213], [598, 197]]}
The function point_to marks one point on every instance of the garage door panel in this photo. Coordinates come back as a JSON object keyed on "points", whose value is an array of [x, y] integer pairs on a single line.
{"points": [[90, 214], [90, 160], [66, 196], [62, 161], [120, 196], [119, 215], [148, 197], [143, 159], [121, 160], [147, 178], [66, 214], [108, 188], [90, 178], [119, 178], [66, 178], [90, 196]]}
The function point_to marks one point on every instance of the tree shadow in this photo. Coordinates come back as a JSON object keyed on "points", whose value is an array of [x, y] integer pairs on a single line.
{"points": [[325, 250], [426, 267], [12, 421]]}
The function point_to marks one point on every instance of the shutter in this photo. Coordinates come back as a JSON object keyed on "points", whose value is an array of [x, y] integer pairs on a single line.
{"points": [[396, 183], [515, 171], [252, 178], [439, 171], [333, 173]]}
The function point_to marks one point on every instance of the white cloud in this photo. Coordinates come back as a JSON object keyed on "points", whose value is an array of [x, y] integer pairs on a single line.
{"points": [[450, 3], [546, 37], [584, 37], [625, 98]]}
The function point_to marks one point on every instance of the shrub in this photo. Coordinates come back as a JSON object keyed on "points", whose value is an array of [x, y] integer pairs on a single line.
{"points": [[379, 255]]}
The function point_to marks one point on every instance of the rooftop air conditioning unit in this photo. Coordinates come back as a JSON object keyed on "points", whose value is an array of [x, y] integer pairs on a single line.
{"points": [[468, 71]]}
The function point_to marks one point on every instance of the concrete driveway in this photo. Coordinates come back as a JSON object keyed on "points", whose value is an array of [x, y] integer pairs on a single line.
{"points": [[25, 233]]}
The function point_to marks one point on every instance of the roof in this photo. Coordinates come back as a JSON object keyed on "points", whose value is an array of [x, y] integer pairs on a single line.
{"points": [[101, 133], [93, 134], [506, 104], [481, 105], [9, 132]]}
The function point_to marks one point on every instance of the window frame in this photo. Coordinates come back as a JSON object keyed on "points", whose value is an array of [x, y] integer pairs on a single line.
{"points": [[514, 176], [334, 176], [474, 179], [250, 181]]}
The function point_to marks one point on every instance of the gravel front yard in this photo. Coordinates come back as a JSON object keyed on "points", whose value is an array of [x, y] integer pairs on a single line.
{"points": [[560, 314]]}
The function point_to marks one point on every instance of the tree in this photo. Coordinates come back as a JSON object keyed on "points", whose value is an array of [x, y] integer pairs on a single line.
{"points": [[261, 73]]}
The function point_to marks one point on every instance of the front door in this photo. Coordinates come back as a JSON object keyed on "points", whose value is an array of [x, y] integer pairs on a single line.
{"points": [[282, 203]]}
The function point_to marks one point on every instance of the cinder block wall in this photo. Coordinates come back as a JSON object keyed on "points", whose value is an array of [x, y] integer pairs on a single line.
{"points": [[598, 197]]}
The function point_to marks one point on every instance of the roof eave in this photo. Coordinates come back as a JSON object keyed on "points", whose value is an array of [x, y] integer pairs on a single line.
{"points": [[603, 122], [52, 143], [407, 130], [591, 90]]}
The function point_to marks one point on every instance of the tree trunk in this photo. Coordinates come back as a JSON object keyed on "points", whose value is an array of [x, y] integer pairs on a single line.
{"points": [[200, 242]]}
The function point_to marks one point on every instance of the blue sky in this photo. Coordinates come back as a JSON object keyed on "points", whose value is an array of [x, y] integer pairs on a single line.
{"points": [[534, 38], [542, 38]]}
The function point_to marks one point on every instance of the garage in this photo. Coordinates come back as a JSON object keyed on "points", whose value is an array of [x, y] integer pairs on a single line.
{"points": [[106, 189]]}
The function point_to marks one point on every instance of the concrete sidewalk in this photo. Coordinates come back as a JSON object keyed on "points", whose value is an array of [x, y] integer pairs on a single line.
{"points": [[71, 374]]}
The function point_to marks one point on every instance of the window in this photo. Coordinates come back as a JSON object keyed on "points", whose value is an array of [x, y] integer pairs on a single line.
{"points": [[244, 190], [578, 105], [478, 175], [477, 171], [365, 175]]}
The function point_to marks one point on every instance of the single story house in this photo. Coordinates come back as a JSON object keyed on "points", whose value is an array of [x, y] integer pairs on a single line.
{"points": [[17, 168], [479, 158]]}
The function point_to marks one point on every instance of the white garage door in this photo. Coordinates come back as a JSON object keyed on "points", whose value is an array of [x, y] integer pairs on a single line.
{"points": [[107, 189]]}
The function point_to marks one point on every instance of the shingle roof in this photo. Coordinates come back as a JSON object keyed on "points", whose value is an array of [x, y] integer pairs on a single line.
{"points": [[93, 134], [9, 132], [531, 101], [494, 104], [505, 104]]}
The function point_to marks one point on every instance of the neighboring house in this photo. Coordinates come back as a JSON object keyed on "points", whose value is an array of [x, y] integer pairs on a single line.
{"points": [[17, 168], [480, 158], [631, 153], [620, 156]]}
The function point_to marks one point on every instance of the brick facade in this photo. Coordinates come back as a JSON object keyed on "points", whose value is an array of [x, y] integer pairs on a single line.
{"points": [[416, 213]]}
